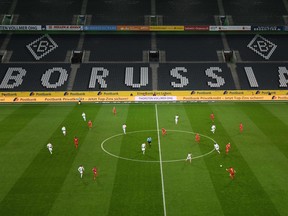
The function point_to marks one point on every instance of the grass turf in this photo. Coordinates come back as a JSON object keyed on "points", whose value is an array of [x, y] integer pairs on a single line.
{"points": [[33, 182]]}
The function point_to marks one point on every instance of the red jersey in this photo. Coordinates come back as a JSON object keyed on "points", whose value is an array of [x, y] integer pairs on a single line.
{"points": [[163, 131], [114, 110], [76, 140], [212, 116], [94, 170], [90, 124], [228, 146], [197, 138], [241, 127], [231, 171]]}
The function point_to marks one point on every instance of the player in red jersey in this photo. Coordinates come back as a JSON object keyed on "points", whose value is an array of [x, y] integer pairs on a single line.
{"points": [[197, 137], [163, 131], [212, 117], [94, 172], [90, 124], [76, 142], [228, 146], [241, 127], [231, 171], [114, 111]]}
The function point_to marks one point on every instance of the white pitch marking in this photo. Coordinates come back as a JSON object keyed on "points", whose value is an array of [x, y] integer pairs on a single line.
{"points": [[160, 158], [153, 161]]}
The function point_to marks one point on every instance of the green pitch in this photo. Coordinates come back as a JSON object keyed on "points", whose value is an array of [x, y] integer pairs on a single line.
{"points": [[160, 182]]}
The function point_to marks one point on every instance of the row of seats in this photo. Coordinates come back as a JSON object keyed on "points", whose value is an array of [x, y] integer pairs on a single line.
{"points": [[40, 77]]}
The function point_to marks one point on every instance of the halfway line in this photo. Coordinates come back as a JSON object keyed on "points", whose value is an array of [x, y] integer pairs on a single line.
{"points": [[160, 160]]}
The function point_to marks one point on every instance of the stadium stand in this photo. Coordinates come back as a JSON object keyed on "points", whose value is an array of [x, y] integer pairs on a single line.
{"points": [[32, 48], [190, 63], [241, 42], [185, 12], [263, 76], [122, 61], [34, 77], [124, 12], [256, 12], [190, 47], [133, 12], [56, 12], [194, 76], [5, 6], [117, 47], [111, 77]]}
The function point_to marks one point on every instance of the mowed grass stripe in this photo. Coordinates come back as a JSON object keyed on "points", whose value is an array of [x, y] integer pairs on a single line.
{"points": [[278, 110], [16, 121], [6, 111], [19, 151], [137, 187], [188, 187], [243, 156], [275, 127], [267, 157], [240, 196], [37, 188], [86, 196]]}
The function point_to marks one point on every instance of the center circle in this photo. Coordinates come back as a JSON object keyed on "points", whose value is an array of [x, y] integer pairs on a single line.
{"points": [[154, 161]]}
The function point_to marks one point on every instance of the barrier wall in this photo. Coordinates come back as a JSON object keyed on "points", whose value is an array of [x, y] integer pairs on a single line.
{"points": [[144, 96]]}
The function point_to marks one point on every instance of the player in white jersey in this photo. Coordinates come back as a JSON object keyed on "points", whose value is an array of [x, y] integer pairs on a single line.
{"points": [[124, 128], [176, 119], [50, 147], [217, 148], [84, 116], [189, 157], [64, 130], [81, 170], [143, 147], [213, 128]]}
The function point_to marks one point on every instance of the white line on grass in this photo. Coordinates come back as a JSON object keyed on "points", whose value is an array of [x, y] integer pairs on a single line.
{"points": [[160, 159], [154, 161]]}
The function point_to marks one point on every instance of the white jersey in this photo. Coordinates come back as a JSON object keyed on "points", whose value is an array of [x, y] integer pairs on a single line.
{"points": [[213, 127], [176, 119], [124, 128], [216, 146], [81, 169], [143, 146], [189, 156], [84, 116], [63, 128], [49, 146]]}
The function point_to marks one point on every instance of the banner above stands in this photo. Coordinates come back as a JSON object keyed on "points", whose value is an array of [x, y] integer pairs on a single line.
{"points": [[145, 96], [135, 28]]}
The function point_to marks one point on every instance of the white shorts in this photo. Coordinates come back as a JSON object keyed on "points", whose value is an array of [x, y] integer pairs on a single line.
{"points": [[143, 149]]}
